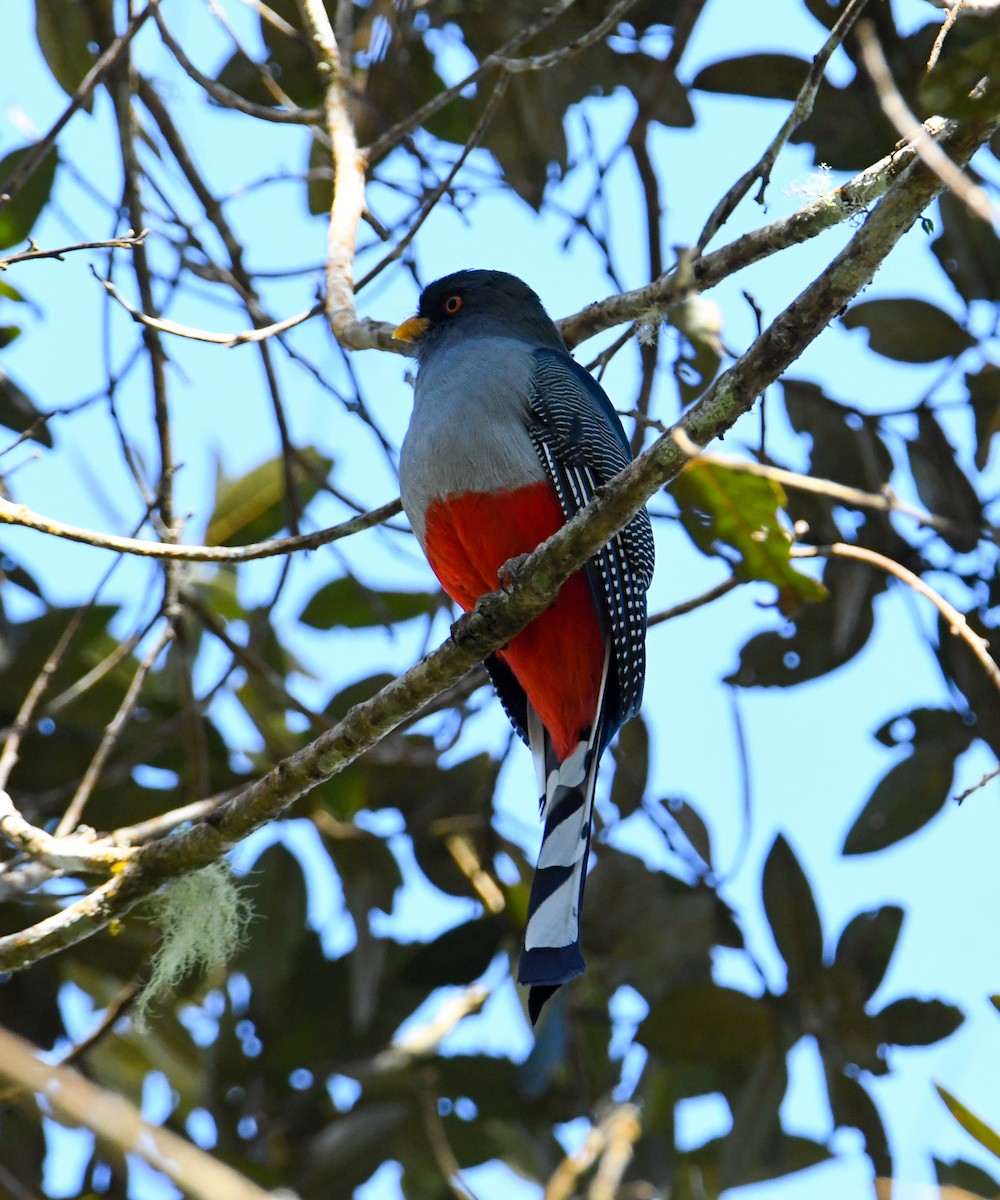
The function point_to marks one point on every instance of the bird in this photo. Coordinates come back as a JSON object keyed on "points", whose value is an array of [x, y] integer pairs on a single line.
{"points": [[509, 437]]}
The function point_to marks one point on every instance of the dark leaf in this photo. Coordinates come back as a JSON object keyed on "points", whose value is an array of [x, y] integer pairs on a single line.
{"points": [[913, 1022], [909, 330], [966, 672], [792, 915], [631, 755], [968, 250], [707, 1024], [823, 636], [867, 944], [458, 956], [852, 1106], [846, 446], [975, 1126], [19, 216], [913, 791], [692, 826], [17, 411], [64, 33], [984, 394], [276, 888], [736, 515], [968, 1178], [756, 1123], [773, 76], [349, 604], [942, 484], [972, 55]]}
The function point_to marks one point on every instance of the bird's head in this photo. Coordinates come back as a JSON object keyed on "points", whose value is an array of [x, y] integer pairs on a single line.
{"points": [[478, 304]]}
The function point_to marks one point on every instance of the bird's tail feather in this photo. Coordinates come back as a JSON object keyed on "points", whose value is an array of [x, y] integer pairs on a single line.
{"points": [[551, 954]]}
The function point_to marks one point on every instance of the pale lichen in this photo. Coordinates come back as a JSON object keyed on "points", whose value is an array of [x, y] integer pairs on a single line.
{"points": [[202, 918]]}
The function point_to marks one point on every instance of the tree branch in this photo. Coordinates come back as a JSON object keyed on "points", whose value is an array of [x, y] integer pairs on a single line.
{"points": [[116, 1123], [501, 615]]}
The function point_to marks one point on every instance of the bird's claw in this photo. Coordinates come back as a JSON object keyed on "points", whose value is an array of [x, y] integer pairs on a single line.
{"points": [[507, 575]]}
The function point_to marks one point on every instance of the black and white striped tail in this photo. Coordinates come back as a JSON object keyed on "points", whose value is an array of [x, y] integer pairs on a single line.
{"points": [[551, 955]]}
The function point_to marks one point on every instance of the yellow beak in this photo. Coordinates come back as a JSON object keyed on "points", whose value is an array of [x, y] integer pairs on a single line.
{"points": [[411, 330]]}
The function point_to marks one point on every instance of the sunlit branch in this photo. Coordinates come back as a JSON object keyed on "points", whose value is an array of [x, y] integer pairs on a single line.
{"points": [[117, 1123], [18, 514]]}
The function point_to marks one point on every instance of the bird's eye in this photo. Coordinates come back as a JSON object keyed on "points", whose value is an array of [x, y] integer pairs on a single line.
{"points": [[452, 304]]}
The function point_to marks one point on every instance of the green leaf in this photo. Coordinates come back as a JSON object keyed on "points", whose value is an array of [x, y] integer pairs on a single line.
{"points": [[735, 515], [17, 218], [707, 1024], [458, 956], [347, 603], [64, 33], [253, 507], [973, 1125], [792, 915], [914, 1022], [909, 330], [867, 944]]}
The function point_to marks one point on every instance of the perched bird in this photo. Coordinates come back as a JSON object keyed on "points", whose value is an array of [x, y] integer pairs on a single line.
{"points": [[509, 438]]}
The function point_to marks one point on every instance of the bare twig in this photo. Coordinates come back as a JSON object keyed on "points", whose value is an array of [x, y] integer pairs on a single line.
{"points": [[686, 606], [74, 810], [543, 62], [957, 623], [907, 125], [18, 514], [127, 242], [976, 786], [165, 325], [229, 99], [800, 112]]}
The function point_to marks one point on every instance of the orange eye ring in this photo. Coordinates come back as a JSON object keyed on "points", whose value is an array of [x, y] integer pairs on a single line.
{"points": [[452, 304]]}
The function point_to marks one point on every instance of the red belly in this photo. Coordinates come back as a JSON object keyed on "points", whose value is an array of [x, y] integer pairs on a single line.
{"points": [[559, 658]]}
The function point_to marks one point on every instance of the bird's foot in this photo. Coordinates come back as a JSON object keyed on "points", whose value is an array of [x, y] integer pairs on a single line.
{"points": [[507, 575]]}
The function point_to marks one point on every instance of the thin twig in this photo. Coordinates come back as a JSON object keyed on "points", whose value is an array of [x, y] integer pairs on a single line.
{"points": [[801, 111], [29, 164], [18, 514], [907, 125], [686, 606], [127, 242], [112, 732], [543, 62], [976, 786], [957, 623], [165, 325]]}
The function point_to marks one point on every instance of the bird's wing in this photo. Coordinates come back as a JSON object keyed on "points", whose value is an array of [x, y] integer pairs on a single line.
{"points": [[581, 444]]}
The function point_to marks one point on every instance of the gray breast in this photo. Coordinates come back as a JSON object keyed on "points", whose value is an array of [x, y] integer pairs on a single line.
{"points": [[468, 432]]}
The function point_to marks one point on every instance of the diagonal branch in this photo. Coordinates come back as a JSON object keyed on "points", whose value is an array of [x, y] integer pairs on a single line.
{"points": [[500, 615]]}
